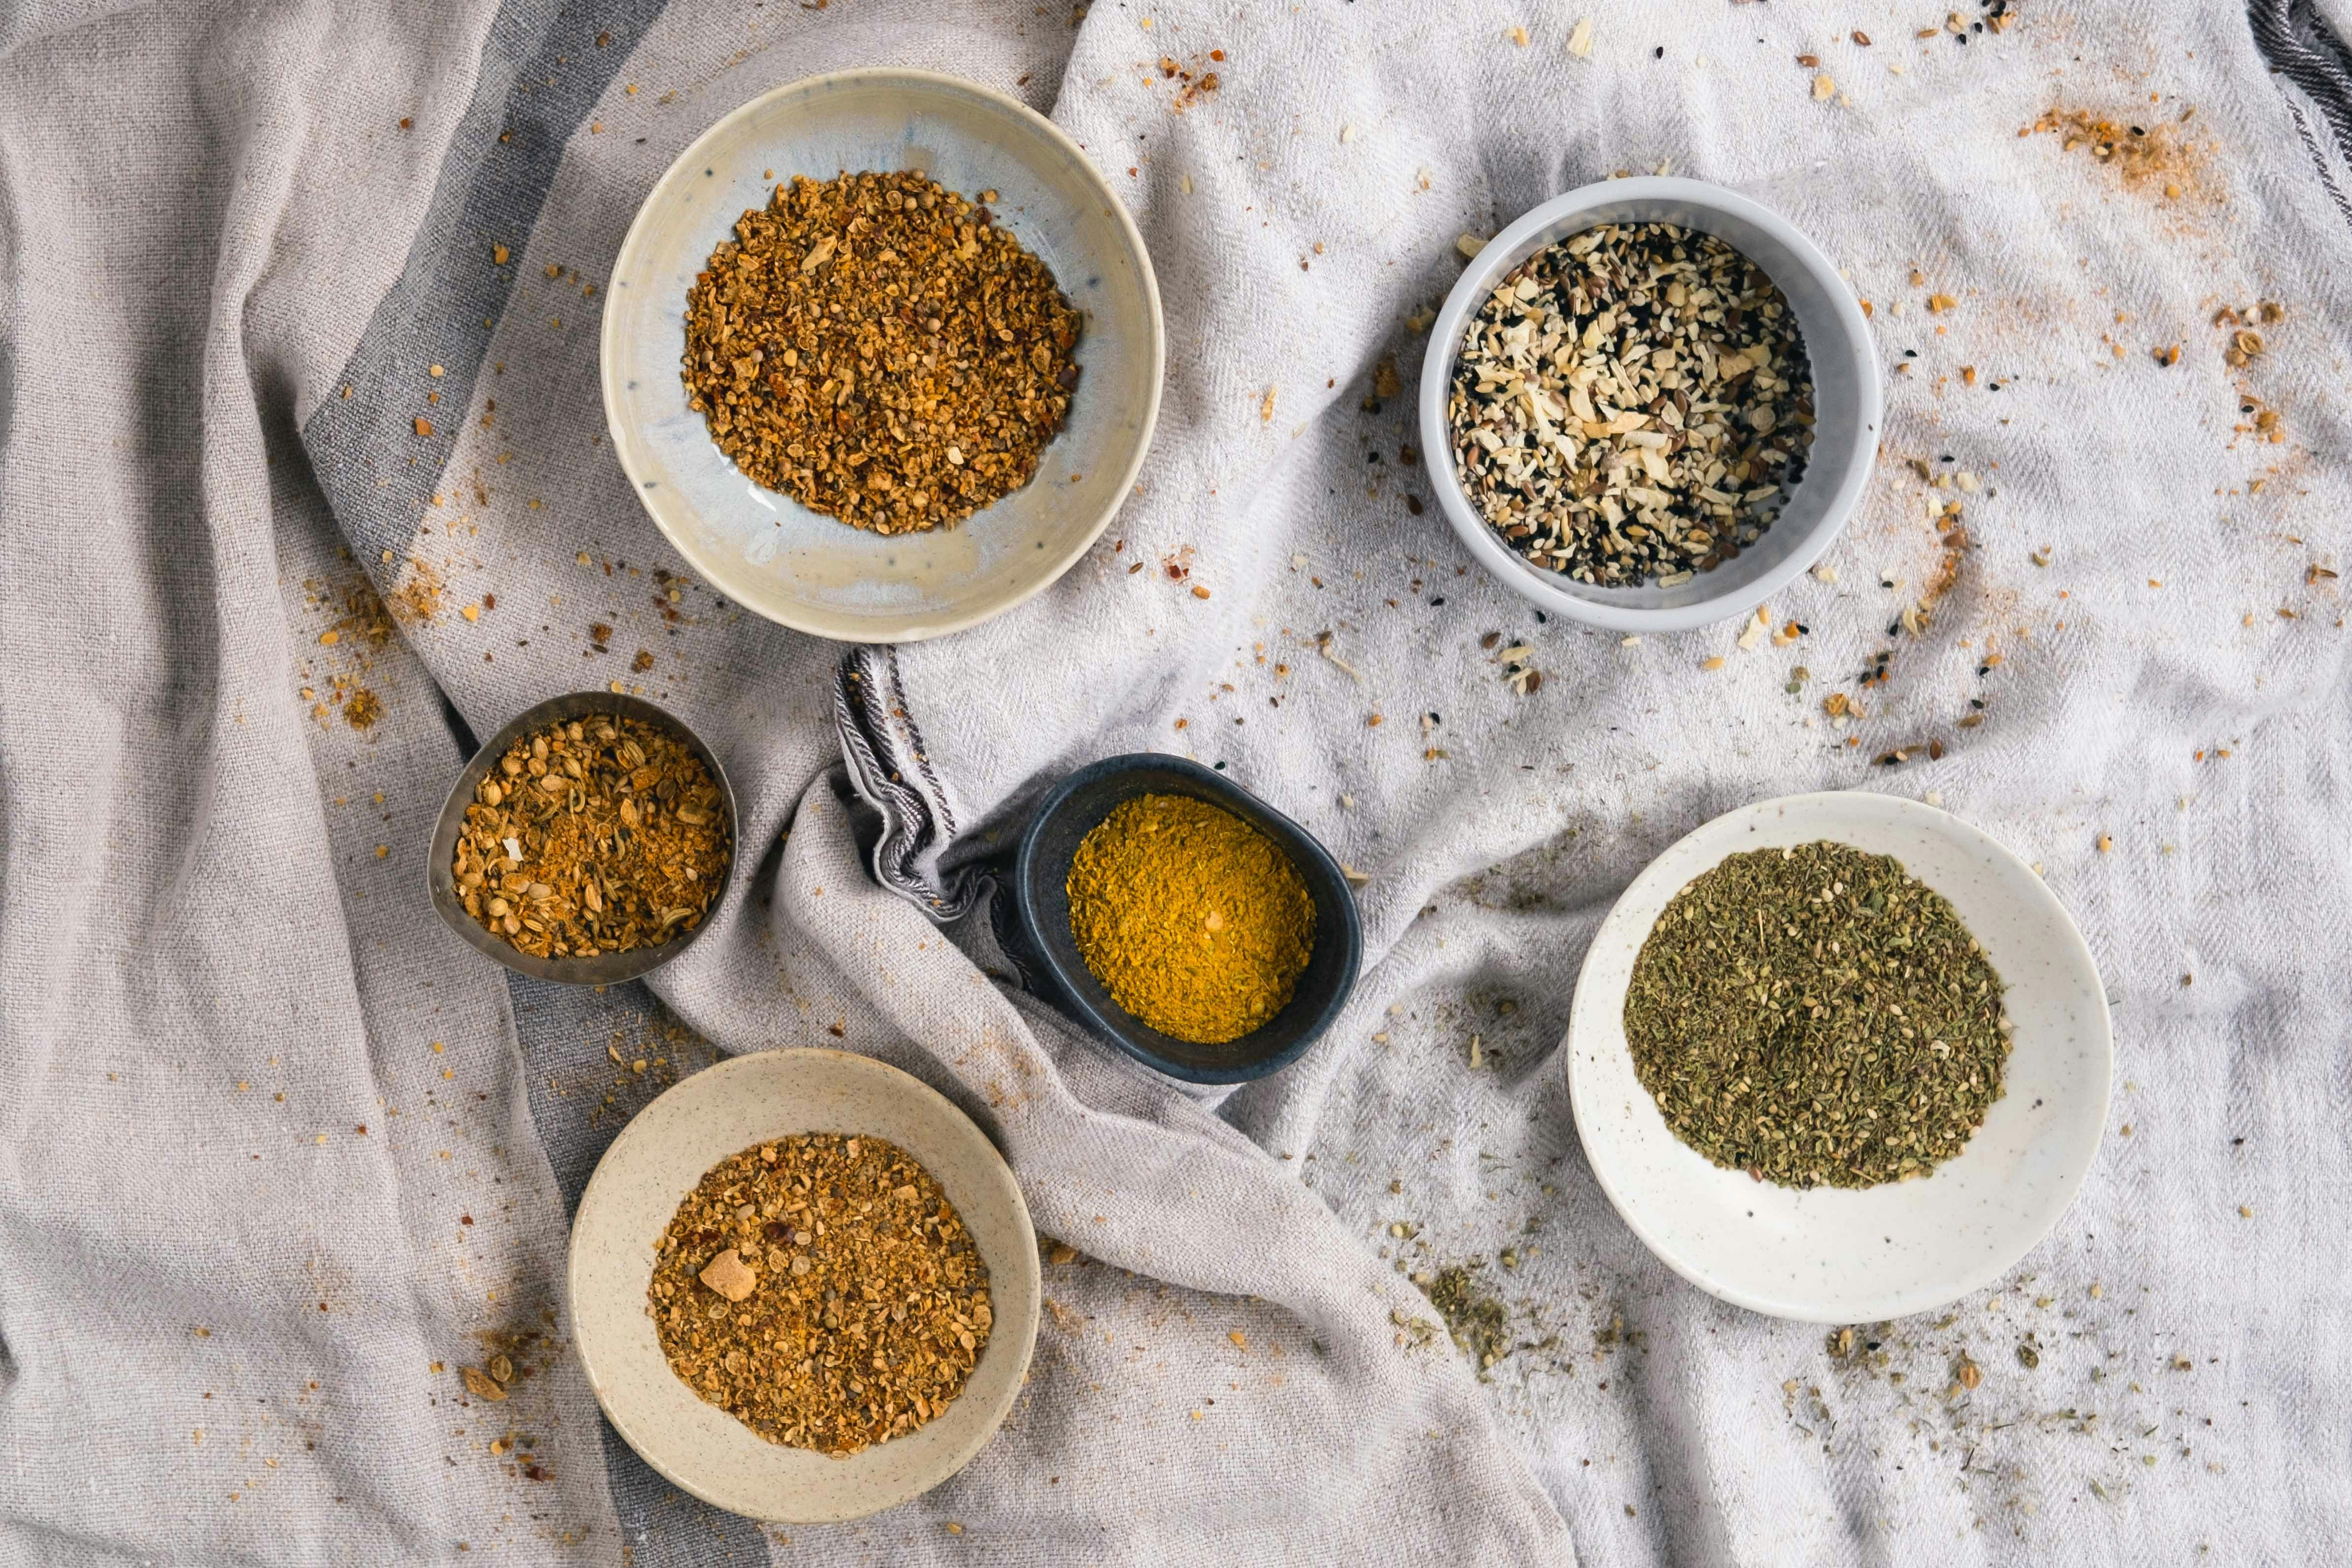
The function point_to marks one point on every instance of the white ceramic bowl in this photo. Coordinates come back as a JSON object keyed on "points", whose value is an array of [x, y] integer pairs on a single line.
{"points": [[763, 550], [1840, 1255], [1847, 403], [661, 1155]]}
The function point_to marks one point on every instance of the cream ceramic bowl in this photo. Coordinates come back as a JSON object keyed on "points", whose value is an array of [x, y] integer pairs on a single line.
{"points": [[1847, 403], [661, 1155], [763, 550], [1837, 1255]]}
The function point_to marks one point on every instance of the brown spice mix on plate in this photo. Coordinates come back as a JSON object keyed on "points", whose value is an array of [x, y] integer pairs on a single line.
{"points": [[875, 348], [822, 1289], [600, 834]]}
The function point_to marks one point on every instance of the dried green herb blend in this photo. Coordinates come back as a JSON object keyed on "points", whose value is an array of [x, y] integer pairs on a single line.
{"points": [[1474, 1318], [1817, 1017]]}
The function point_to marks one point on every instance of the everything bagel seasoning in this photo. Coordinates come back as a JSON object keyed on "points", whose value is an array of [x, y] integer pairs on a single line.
{"points": [[1632, 405]]}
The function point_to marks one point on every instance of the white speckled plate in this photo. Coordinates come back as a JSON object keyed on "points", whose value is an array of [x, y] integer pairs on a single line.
{"points": [[660, 1157], [1834, 1255], [763, 549]]}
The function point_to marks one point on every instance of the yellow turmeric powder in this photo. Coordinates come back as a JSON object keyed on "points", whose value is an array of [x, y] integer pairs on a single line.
{"points": [[1193, 920]]}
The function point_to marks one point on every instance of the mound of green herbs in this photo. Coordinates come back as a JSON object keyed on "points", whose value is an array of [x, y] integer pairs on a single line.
{"points": [[1817, 1017]]}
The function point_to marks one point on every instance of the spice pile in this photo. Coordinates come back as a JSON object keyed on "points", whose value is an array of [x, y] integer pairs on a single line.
{"points": [[875, 348], [1632, 405], [598, 835], [1193, 920], [1816, 1016], [821, 1291]]}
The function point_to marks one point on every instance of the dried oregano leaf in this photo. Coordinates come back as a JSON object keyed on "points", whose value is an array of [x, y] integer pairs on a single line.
{"points": [[1817, 1016]]}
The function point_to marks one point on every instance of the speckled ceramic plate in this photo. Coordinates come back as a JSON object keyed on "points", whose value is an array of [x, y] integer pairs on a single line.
{"points": [[763, 550], [657, 1161], [1834, 1255]]}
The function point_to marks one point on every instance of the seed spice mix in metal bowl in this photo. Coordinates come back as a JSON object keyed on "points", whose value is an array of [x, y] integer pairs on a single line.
{"points": [[1817, 1016], [878, 349], [600, 834], [1631, 405], [822, 1290]]}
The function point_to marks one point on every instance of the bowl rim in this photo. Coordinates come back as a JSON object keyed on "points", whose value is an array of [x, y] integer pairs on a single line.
{"points": [[605, 968], [1119, 1028], [914, 628], [1022, 1259], [1892, 1303], [1445, 348]]}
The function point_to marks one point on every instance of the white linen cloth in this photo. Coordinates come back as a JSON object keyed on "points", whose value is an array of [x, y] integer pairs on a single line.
{"points": [[231, 1319]]}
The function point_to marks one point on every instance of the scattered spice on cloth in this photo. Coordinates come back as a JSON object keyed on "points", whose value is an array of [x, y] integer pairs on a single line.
{"points": [[1817, 1016], [878, 349], [822, 1290], [1632, 405], [597, 835], [1193, 920], [1475, 1319]]}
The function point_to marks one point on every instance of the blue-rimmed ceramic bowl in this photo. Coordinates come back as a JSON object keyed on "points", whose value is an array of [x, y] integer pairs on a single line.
{"points": [[1039, 928]]}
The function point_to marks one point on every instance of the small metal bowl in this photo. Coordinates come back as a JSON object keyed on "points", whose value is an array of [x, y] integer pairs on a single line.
{"points": [[605, 968], [1040, 922]]}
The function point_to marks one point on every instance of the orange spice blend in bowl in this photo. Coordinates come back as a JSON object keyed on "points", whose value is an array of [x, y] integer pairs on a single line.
{"points": [[822, 1290], [600, 834], [875, 346]]}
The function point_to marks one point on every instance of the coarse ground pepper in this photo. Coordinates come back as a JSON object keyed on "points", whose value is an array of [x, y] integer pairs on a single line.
{"points": [[877, 348], [822, 1290], [1193, 920], [598, 834]]}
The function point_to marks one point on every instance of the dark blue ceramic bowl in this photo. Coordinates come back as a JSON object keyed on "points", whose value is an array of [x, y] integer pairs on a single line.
{"points": [[1040, 922]]}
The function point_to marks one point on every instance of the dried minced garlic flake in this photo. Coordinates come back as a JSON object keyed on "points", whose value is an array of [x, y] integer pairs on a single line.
{"points": [[1580, 42]]}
